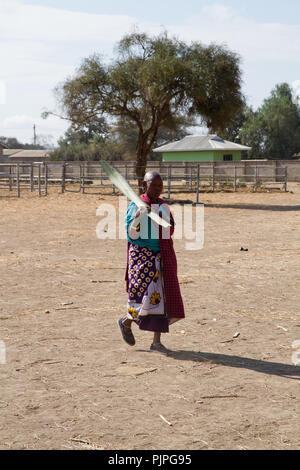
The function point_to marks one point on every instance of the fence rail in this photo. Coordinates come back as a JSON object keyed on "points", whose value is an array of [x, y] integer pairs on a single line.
{"points": [[176, 176]]}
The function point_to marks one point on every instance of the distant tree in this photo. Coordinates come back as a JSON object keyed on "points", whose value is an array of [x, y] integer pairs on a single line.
{"points": [[92, 141], [13, 143], [281, 117], [151, 81], [87, 131], [253, 134], [273, 131], [232, 131], [45, 141]]}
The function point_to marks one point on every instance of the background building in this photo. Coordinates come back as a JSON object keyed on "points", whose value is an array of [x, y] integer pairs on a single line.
{"points": [[24, 156], [201, 148]]}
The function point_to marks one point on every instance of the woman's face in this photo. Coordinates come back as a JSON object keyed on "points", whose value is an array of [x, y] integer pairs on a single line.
{"points": [[154, 187]]}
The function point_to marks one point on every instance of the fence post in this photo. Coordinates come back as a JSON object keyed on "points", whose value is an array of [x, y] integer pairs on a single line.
{"points": [[18, 180], [81, 177], [285, 178], [198, 178], [113, 186], [256, 179], [101, 176], [169, 181], [46, 178], [31, 178], [277, 173], [234, 183], [39, 178], [10, 179], [63, 177], [213, 177]]}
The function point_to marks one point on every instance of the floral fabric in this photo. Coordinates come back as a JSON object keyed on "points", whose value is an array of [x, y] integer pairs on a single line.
{"points": [[145, 284]]}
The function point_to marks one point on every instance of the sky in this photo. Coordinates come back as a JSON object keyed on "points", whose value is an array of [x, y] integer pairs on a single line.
{"points": [[43, 42]]}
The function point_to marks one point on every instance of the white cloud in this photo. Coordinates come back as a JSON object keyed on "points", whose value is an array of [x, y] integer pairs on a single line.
{"points": [[2, 92], [253, 40], [40, 23], [40, 46], [37, 25], [20, 121], [21, 125]]}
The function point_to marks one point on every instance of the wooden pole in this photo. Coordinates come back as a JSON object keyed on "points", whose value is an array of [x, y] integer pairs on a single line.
{"points": [[234, 183], [46, 178], [213, 177], [31, 178], [18, 180], [39, 179], [113, 186], [198, 178], [83, 178], [63, 177], [256, 179], [285, 178], [169, 181], [80, 178], [10, 179], [34, 135]]}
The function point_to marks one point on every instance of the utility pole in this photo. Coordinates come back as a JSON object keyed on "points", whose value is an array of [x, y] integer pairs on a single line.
{"points": [[34, 135]]}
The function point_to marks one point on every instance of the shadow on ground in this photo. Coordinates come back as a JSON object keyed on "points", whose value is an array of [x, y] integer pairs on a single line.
{"points": [[255, 207], [271, 368]]}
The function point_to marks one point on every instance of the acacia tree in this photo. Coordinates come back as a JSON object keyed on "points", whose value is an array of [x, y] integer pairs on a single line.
{"points": [[126, 133], [150, 81]]}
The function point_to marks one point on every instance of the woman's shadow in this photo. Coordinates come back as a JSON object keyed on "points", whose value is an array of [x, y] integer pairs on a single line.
{"points": [[272, 368]]}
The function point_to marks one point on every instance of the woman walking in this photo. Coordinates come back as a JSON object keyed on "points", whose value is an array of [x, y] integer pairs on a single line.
{"points": [[154, 298]]}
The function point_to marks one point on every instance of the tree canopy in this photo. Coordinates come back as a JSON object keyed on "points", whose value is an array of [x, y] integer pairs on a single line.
{"points": [[150, 82], [13, 143], [273, 130], [100, 141], [279, 118]]}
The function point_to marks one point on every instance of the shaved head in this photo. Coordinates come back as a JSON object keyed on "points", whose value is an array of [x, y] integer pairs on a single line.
{"points": [[151, 175], [153, 184]]}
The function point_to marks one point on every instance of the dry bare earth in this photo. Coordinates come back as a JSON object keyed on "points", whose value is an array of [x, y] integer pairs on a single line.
{"points": [[70, 382]]}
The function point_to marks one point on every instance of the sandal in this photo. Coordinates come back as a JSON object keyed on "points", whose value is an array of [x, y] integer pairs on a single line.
{"points": [[126, 333], [158, 347]]}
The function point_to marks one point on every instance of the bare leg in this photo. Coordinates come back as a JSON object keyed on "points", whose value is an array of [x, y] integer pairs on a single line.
{"points": [[156, 337], [156, 345]]}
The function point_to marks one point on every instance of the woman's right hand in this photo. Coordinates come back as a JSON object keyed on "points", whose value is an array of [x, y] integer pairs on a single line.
{"points": [[142, 211]]}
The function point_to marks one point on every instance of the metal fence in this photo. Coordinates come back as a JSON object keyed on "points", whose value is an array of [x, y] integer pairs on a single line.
{"points": [[89, 176]]}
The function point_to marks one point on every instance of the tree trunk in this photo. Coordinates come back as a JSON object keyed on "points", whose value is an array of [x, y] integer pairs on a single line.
{"points": [[141, 160], [143, 147], [140, 169]]}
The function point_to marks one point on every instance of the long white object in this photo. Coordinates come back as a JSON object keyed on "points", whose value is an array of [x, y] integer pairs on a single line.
{"points": [[117, 179]]}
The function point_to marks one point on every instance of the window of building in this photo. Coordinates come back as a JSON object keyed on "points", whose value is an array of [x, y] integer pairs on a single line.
{"points": [[227, 158]]}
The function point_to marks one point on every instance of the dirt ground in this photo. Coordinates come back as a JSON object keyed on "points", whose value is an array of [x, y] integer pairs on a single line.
{"points": [[228, 380]]}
